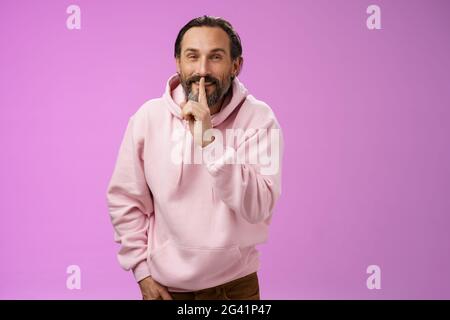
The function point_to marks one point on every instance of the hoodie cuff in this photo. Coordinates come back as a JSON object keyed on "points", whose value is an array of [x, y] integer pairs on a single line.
{"points": [[141, 271], [215, 162]]}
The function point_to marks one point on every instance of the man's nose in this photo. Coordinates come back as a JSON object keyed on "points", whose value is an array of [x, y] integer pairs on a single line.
{"points": [[203, 67]]}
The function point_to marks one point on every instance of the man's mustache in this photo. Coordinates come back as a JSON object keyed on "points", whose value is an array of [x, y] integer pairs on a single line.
{"points": [[197, 79]]}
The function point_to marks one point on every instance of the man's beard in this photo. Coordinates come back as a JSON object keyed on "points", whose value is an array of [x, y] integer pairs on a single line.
{"points": [[220, 89]]}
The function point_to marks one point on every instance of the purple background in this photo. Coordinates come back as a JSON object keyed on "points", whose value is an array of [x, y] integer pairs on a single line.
{"points": [[365, 115]]}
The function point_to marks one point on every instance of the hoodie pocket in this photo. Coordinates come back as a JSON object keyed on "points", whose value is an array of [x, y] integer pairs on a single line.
{"points": [[192, 268]]}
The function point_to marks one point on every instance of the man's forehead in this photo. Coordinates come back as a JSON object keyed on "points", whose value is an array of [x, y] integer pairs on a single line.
{"points": [[205, 39]]}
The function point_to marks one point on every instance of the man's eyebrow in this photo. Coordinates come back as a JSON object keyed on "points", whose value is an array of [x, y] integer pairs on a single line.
{"points": [[213, 50], [190, 49], [218, 49]]}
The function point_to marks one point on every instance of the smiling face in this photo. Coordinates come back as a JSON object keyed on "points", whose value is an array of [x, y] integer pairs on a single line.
{"points": [[205, 52]]}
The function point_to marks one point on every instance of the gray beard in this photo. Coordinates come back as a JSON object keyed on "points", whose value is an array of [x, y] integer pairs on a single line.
{"points": [[213, 98]]}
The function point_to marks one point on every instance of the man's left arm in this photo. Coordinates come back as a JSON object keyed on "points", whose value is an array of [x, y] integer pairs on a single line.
{"points": [[250, 187]]}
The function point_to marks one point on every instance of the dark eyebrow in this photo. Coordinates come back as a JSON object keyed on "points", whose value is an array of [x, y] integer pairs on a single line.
{"points": [[218, 49], [213, 50], [190, 49]]}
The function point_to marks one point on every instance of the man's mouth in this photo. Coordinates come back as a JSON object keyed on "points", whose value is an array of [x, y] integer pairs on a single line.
{"points": [[206, 83]]}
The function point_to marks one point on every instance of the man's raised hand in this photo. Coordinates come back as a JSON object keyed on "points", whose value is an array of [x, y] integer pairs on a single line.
{"points": [[198, 114]]}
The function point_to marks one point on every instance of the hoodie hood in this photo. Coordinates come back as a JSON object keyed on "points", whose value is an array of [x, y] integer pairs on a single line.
{"points": [[174, 95]]}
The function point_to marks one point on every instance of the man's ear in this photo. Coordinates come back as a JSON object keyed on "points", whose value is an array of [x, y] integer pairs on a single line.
{"points": [[177, 62], [237, 66]]}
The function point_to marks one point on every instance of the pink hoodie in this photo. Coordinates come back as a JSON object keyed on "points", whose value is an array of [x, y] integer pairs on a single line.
{"points": [[194, 225]]}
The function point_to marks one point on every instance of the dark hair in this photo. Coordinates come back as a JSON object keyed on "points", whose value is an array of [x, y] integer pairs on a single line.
{"points": [[209, 21]]}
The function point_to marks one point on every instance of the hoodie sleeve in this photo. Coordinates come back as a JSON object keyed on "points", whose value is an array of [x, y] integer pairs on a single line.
{"points": [[250, 188], [130, 202]]}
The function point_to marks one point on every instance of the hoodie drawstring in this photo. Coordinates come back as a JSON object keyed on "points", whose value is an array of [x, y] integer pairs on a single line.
{"points": [[182, 154]]}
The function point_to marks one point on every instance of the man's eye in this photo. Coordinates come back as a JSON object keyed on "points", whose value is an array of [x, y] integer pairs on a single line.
{"points": [[216, 57], [191, 57]]}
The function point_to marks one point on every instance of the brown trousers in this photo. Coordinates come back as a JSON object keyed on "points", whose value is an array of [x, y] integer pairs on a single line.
{"points": [[245, 288]]}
